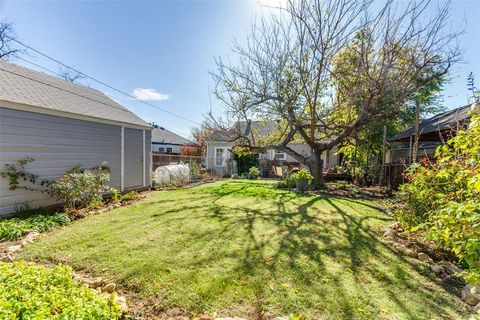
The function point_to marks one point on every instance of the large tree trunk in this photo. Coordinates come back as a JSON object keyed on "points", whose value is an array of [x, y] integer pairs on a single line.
{"points": [[316, 168]]}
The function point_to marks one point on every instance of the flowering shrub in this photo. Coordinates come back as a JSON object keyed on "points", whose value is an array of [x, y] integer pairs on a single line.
{"points": [[34, 292], [81, 186], [443, 198]]}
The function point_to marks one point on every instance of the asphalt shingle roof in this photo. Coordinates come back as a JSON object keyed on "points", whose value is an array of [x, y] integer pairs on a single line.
{"points": [[25, 86], [162, 135], [442, 121]]}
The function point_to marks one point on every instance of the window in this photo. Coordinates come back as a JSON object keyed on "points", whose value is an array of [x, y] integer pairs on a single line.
{"points": [[161, 149], [220, 157], [169, 150], [279, 155]]}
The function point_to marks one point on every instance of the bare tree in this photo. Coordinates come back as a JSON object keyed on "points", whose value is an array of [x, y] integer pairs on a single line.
{"points": [[285, 72], [70, 75], [7, 40]]}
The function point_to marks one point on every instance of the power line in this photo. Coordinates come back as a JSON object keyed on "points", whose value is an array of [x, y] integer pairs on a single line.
{"points": [[101, 82], [63, 89]]}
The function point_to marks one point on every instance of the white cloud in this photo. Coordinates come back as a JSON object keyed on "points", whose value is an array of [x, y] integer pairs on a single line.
{"points": [[149, 94]]}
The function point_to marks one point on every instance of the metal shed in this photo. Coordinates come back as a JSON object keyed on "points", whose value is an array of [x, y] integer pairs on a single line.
{"points": [[61, 124]]}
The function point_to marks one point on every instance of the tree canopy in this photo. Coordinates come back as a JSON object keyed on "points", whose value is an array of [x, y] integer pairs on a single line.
{"points": [[289, 71]]}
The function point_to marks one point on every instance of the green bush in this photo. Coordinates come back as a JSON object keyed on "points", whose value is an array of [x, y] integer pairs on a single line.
{"points": [[82, 186], [286, 183], [115, 194], [342, 184], [302, 174], [12, 229], [443, 198], [194, 169], [253, 171], [132, 195], [29, 291]]}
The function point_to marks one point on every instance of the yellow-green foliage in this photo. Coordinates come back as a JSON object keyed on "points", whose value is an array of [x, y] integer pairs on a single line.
{"points": [[29, 291], [254, 171], [302, 174], [444, 198]]}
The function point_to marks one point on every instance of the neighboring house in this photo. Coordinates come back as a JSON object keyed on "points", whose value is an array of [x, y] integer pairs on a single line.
{"points": [[166, 141], [219, 153], [61, 124], [433, 133]]}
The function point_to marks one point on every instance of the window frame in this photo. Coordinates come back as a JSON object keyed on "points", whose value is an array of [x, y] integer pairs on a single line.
{"points": [[224, 157], [283, 158]]}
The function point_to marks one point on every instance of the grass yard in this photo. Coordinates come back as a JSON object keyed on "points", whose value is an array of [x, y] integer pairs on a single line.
{"points": [[242, 248]]}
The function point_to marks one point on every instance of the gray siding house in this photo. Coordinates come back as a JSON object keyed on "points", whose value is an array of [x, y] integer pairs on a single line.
{"points": [[62, 124], [166, 141], [219, 154]]}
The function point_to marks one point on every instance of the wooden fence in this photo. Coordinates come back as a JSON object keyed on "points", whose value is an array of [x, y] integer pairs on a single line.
{"points": [[393, 174]]}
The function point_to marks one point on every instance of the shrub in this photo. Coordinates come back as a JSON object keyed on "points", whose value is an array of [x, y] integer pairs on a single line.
{"points": [[302, 174], [34, 292], [341, 184], [194, 169], [234, 176], [115, 195], [443, 198], [82, 186], [286, 183], [130, 196], [254, 172], [12, 229]]}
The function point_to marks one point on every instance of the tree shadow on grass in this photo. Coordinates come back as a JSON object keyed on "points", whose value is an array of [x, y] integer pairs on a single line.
{"points": [[295, 253], [304, 237]]}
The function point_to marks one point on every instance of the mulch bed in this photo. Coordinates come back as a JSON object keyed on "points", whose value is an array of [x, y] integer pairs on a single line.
{"points": [[353, 191]]}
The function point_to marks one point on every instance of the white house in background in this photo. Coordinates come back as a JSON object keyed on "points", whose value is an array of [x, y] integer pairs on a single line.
{"points": [[61, 124], [166, 141], [219, 152]]}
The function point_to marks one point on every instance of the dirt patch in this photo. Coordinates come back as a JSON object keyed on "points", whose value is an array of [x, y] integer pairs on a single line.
{"points": [[353, 191]]}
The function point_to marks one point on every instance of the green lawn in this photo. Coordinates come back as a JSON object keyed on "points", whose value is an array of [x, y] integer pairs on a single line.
{"points": [[243, 248]]}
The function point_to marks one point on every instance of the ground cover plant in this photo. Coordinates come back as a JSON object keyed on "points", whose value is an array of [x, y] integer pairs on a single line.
{"points": [[15, 228], [245, 248], [29, 291]]}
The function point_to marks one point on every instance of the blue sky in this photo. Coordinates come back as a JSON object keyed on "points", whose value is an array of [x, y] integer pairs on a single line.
{"points": [[168, 46]]}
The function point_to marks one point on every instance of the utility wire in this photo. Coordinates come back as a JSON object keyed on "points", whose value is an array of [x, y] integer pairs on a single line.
{"points": [[101, 82], [62, 89]]}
